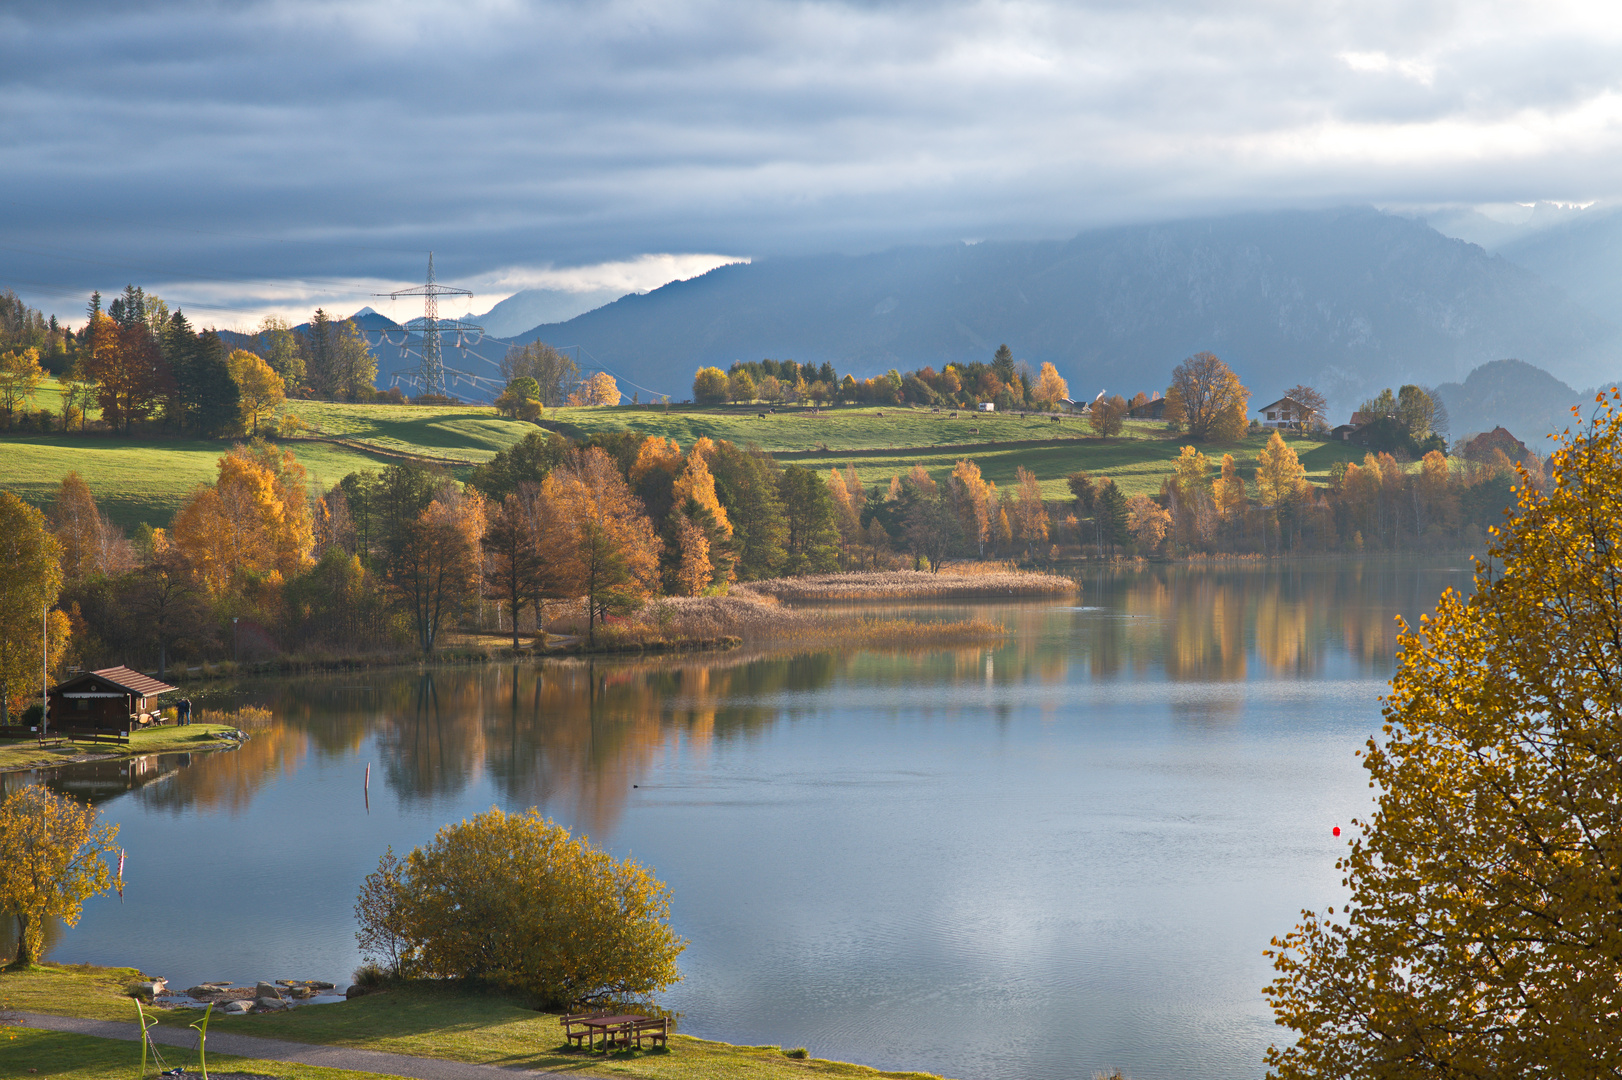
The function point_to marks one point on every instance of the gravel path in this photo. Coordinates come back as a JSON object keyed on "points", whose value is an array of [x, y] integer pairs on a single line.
{"points": [[249, 1046]]}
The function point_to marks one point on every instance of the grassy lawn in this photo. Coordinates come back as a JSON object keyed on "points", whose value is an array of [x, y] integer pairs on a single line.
{"points": [[470, 433], [195, 738], [144, 479], [28, 1055], [426, 1021]]}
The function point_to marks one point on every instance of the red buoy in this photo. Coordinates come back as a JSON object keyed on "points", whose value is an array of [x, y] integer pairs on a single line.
{"points": [[1337, 830]]}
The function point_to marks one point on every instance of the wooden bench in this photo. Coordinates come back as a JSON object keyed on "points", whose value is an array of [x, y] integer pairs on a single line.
{"points": [[98, 736], [575, 1034], [655, 1031]]}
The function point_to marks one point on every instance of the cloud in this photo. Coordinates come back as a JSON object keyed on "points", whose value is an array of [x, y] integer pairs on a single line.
{"points": [[274, 152]]}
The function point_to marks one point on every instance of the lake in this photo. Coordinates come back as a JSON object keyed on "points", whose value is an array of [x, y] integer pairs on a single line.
{"points": [[1061, 854]]}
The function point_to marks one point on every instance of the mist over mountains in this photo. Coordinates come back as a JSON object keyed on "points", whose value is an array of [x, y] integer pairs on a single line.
{"points": [[1349, 300]]}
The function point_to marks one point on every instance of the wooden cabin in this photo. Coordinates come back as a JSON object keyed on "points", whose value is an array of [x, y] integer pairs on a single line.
{"points": [[111, 699]]}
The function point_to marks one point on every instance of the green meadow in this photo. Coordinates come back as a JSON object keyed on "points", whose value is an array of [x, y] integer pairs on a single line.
{"points": [[145, 478]]}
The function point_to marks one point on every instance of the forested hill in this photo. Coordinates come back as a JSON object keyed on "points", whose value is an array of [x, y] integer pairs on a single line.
{"points": [[1349, 300]]}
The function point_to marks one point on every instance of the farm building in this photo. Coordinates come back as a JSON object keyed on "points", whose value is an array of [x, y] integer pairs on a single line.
{"points": [[111, 699]]}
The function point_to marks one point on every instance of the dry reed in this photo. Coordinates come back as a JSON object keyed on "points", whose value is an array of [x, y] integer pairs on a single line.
{"points": [[955, 583], [245, 716], [755, 618]]}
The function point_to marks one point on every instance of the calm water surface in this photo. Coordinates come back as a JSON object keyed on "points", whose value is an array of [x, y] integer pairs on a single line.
{"points": [[1063, 854]]}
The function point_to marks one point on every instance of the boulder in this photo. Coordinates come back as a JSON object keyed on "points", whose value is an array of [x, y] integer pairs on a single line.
{"points": [[265, 1004], [240, 1006], [355, 991], [319, 985], [267, 990], [149, 990]]}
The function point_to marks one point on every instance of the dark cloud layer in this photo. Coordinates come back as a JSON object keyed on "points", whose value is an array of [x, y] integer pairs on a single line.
{"points": [[257, 154]]}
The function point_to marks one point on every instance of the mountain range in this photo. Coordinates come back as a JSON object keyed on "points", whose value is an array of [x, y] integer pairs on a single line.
{"points": [[1349, 300]]}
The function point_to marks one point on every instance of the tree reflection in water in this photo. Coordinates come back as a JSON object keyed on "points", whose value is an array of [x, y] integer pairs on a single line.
{"points": [[574, 735]]}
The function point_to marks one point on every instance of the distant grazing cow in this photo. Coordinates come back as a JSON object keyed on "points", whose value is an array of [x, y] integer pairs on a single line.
{"points": [[954, 416], [881, 416], [761, 416]]}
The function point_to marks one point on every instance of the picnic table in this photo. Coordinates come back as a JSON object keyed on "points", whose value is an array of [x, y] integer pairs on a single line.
{"points": [[617, 1029]]}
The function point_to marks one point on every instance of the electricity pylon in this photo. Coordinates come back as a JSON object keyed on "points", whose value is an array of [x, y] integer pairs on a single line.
{"points": [[432, 369]]}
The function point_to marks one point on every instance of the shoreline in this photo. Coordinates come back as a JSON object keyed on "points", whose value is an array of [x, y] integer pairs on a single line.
{"points": [[434, 1022], [23, 755]]}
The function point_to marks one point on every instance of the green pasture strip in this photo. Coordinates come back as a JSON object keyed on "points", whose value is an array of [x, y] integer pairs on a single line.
{"points": [[447, 1021], [27, 1054], [139, 480], [468, 433], [29, 754], [844, 428]]}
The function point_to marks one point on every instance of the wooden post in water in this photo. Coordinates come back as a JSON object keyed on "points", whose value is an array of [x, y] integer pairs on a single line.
{"points": [[366, 789]]}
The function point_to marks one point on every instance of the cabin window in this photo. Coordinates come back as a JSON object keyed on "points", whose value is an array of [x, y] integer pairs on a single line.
{"points": [[82, 705]]}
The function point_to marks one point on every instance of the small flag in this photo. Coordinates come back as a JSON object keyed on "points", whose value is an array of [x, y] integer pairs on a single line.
{"points": [[1337, 830]]}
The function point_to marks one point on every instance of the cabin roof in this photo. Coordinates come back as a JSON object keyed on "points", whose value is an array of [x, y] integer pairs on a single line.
{"points": [[1284, 401], [123, 678]]}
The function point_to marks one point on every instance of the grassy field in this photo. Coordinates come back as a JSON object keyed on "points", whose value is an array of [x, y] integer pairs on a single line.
{"points": [[443, 1021], [195, 738], [146, 479], [465, 433]]}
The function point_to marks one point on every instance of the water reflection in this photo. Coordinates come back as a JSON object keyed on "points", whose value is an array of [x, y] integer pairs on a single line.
{"points": [[578, 734], [1000, 861]]}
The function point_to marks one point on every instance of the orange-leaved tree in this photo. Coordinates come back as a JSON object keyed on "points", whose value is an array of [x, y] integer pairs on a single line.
{"points": [[253, 522], [435, 571], [603, 545]]}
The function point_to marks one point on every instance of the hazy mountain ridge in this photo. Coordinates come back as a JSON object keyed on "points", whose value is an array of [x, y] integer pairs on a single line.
{"points": [[1350, 300]]}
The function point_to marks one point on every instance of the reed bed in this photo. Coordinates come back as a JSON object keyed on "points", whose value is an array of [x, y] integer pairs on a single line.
{"points": [[953, 584], [756, 618], [246, 716]]}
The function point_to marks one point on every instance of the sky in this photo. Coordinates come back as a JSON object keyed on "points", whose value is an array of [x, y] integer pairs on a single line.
{"points": [[242, 158]]}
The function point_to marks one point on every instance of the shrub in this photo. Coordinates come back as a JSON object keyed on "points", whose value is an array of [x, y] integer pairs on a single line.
{"points": [[513, 899]]}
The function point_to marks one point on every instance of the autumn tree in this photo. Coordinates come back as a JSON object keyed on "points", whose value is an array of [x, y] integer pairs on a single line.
{"points": [[30, 581], [128, 367], [1229, 490], [710, 386], [975, 500], [1280, 477], [513, 557], [740, 386], [51, 861], [527, 461], [435, 567], [1206, 399], [259, 389], [598, 389], [513, 899], [1480, 937], [1050, 387], [279, 345], [1107, 415], [91, 544], [603, 544], [20, 376], [1030, 522], [1147, 521], [253, 522]]}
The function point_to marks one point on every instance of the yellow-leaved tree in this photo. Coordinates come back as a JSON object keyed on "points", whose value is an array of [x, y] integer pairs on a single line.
{"points": [[50, 862], [30, 580], [1483, 932], [259, 389], [1050, 387], [515, 900]]}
